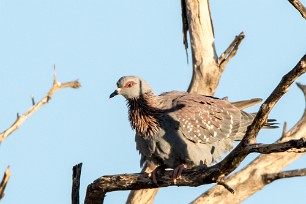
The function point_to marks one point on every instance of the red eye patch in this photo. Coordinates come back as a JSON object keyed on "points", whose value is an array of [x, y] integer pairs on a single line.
{"points": [[129, 84]]}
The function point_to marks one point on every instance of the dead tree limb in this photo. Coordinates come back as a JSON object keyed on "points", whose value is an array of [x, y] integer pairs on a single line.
{"points": [[277, 93], [207, 67], [143, 196], [76, 175], [4, 181], [20, 119], [205, 72], [193, 177], [232, 160], [268, 178], [230, 52], [299, 6], [249, 180]]}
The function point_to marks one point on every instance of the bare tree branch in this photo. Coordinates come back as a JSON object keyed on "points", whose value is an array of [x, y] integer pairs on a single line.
{"points": [[207, 68], [185, 26], [231, 51], [20, 119], [193, 177], [220, 181], [76, 175], [143, 196], [268, 178], [249, 180], [299, 6], [206, 72], [277, 147], [277, 93], [232, 160], [4, 181]]}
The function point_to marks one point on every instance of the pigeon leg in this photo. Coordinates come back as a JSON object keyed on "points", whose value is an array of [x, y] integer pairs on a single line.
{"points": [[178, 171], [153, 174]]}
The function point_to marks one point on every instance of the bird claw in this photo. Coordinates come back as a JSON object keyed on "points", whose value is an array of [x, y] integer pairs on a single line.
{"points": [[153, 174], [177, 172]]}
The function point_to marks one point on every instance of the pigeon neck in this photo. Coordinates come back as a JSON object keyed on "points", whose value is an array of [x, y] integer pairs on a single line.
{"points": [[143, 114]]}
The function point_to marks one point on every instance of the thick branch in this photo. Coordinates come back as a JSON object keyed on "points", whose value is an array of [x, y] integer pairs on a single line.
{"points": [[20, 119], [206, 72], [143, 196], [230, 52], [193, 177], [76, 175], [299, 6], [268, 178], [4, 181]]}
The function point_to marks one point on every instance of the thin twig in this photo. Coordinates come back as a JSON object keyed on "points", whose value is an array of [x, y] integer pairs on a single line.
{"points": [[268, 178], [220, 181], [4, 181], [231, 51], [33, 100], [284, 133], [290, 145], [299, 6], [302, 87], [21, 118]]}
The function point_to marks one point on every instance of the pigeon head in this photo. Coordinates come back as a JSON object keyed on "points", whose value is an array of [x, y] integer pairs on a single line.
{"points": [[131, 87]]}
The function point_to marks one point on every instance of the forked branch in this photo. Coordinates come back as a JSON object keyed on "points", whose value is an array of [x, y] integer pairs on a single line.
{"points": [[193, 177], [21, 118]]}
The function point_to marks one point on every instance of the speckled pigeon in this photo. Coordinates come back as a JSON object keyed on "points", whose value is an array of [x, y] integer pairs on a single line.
{"points": [[178, 129]]}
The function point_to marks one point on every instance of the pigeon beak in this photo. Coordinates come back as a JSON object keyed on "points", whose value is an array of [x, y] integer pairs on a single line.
{"points": [[115, 93]]}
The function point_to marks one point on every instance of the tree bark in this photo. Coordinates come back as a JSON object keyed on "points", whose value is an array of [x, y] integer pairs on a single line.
{"points": [[205, 72], [76, 176], [299, 6]]}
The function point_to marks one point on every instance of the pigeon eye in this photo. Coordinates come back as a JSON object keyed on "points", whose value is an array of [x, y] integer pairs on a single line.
{"points": [[129, 84]]}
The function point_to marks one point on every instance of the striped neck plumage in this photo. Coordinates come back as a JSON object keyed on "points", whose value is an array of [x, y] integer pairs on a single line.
{"points": [[143, 114]]}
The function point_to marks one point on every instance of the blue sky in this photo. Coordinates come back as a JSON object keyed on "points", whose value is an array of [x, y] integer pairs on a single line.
{"points": [[99, 41]]}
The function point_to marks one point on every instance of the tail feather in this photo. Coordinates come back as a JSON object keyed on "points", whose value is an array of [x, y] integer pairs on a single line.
{"points": [[246, 103], [247, 119], [271, 124]]}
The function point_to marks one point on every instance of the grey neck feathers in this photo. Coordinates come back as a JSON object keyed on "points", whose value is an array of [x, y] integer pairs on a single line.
{"points": [[143, 114]]}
